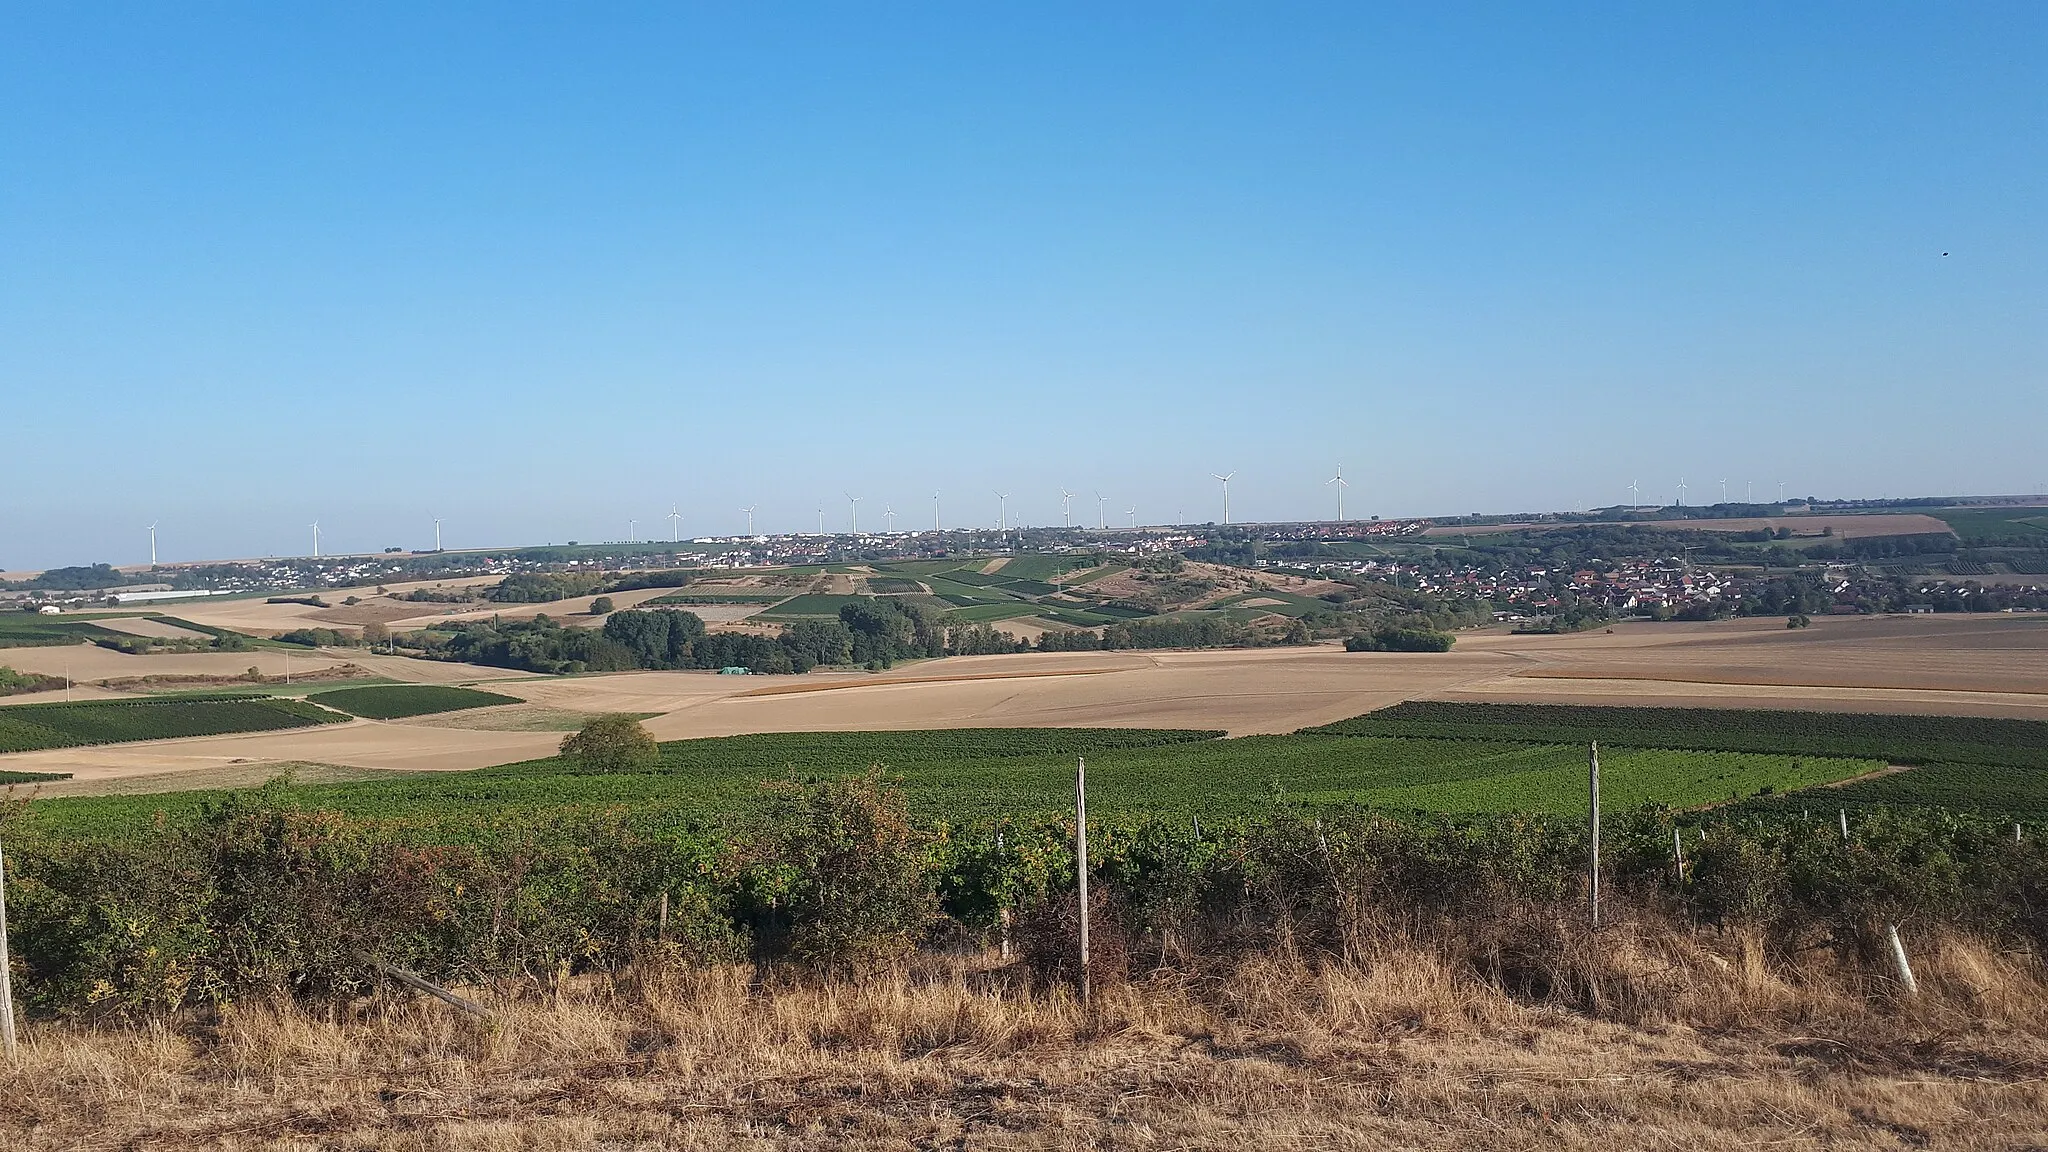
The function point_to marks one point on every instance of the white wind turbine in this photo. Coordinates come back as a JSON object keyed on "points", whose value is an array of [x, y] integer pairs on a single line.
{"points": [[1681, 492], [1635, 493], [937, 524], [675, 525], [1132, 512], [152, 543], [1724, 489], [889, 514], [632, 531], [1101, 517], [437, 533], [1002, 510], [853, 513], [749, 510], [821, 521], [1067, 507], [1341, 484], [1226, 495], [316, 539]]}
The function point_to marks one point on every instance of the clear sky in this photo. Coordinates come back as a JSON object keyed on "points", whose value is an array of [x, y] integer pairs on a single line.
{"points": [[541, 270]]}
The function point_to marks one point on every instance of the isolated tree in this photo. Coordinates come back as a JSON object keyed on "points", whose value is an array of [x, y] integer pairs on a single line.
{"points": [[612, 743], [600, 606], [375, 634]]}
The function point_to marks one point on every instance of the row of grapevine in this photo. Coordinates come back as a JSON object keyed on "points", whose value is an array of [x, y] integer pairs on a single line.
{"points": [[264, 898]]}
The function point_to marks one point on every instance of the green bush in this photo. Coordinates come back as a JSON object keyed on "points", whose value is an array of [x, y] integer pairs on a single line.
{"points": [[613, 743]]}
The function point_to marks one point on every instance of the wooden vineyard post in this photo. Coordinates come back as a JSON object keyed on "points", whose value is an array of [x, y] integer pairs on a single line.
{"points": [[661, 918], [6, 971], [1677, 857], [1844, 813], [1593, 825], [1003, 913], [1081, 860]]}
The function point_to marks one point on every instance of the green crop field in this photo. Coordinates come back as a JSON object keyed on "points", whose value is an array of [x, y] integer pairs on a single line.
{"points": [[1975, 525], [972, 577], [685, 599], [392, 701], [1893, 739], [953, 776], [812, 604], [1028, 587], [983, 612], [28, 727], [945, 587], [893, 584], [1043, 566], [29, 630]]}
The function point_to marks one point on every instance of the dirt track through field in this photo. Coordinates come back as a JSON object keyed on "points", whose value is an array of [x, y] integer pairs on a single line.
{"points": [[1984, 665]]}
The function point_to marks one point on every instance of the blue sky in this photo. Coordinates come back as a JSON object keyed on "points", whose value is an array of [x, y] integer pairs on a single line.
{"points": [[540, 270]]}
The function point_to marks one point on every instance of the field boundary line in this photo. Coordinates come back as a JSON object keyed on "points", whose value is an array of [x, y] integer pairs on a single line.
{"points": [[1553, 673], [791, 689]]}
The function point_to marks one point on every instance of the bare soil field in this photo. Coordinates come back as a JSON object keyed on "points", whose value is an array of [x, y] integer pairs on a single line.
{"points": [[91, 662], [1846, 527], [1983, 665]]}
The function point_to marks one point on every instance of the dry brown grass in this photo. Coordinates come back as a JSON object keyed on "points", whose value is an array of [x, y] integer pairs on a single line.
{"points": [[1403, 1047]]}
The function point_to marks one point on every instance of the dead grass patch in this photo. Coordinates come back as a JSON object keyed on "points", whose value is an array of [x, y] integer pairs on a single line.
{"points": [[1400, 1046]]}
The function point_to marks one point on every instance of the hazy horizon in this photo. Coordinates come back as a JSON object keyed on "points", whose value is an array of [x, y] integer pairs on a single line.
{"points": [[542, 273]]}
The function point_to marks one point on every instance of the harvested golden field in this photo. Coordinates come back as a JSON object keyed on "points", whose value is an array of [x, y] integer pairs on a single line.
{"points": [[1847, 527], [1404, 1047]]}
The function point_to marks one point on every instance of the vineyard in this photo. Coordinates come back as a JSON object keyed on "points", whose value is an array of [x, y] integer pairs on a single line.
{"points": [[30, 727], [1893, 739], [26, 630], [393, 701], [949, 777]]}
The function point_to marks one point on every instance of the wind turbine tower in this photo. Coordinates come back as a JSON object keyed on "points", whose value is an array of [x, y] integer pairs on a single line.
{"points": [[1067, 507], [821, 521], [152, 544], [1681, 492], [1226, 495], [937, 524], [316, 539], [1635, 493], [749, 510], [437, 533], [632, 531], [675, 522], [889, 514], [853, 513], [1724, 489], [1132, 512], [1341, 484], [1101, 516], [1002, 510]]}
